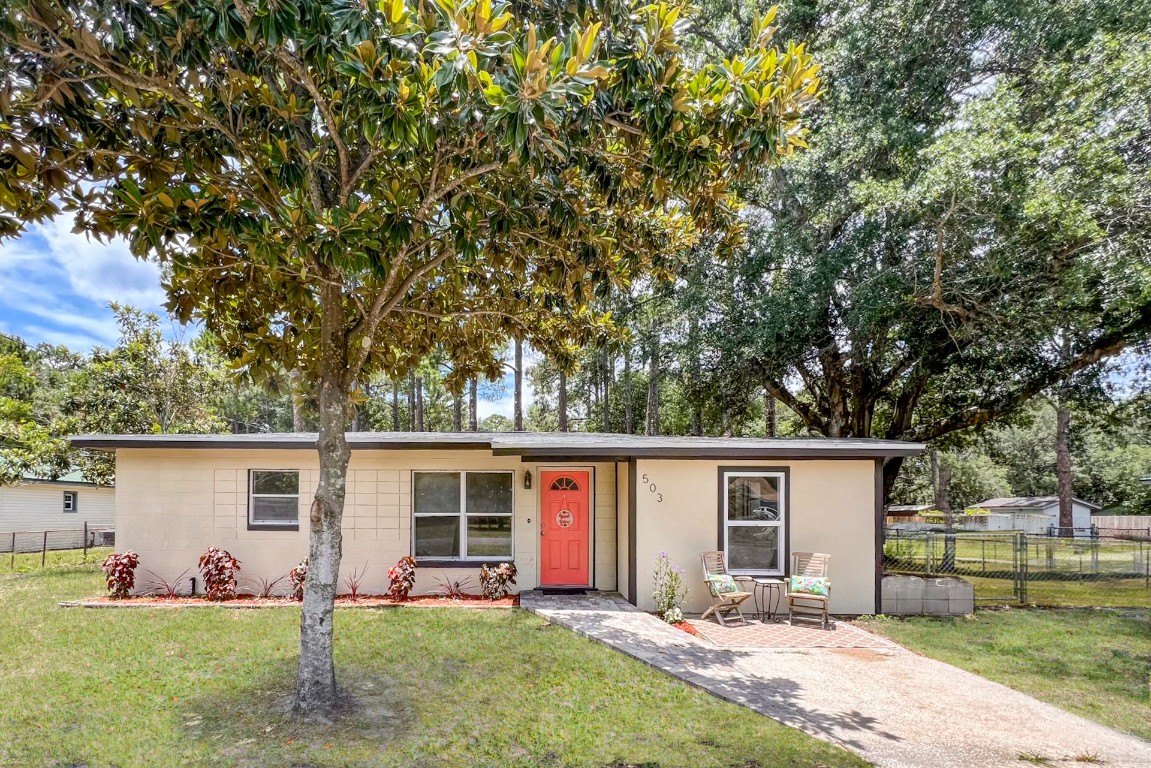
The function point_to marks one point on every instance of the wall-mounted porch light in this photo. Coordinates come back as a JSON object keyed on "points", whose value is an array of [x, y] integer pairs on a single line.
{"points": [[527, 480]]}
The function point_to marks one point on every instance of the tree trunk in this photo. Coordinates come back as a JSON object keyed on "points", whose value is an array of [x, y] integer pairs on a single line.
{"points": [[696, 421], [395, 406], [1063, 469], [457, 412], [608, 368], [357, 411], [316, 692], [628, 400], [891, 469], [771, 418], [298, 423], [518, 421], [941, 482], [473, 402], [412, 403], [653, 389], [419, 405], [563, 402]]}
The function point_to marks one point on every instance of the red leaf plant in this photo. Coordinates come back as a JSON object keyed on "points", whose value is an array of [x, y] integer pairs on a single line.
{"points": [[219, 570], [494, 581], [120, 568], [402, 578], [297, 576]]}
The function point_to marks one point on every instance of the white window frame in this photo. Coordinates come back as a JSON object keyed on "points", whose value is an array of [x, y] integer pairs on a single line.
{"points": [[252, 496], [463, 515], [70, 502], [781, 523]]}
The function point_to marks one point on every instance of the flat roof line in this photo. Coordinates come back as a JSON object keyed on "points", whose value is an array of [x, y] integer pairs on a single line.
{"points": [[542, 445]]}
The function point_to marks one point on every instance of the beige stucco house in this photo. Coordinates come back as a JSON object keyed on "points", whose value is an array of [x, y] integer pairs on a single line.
{"points": [[571, 509]]}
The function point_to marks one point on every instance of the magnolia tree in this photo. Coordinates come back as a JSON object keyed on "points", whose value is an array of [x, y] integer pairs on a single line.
{"points": [[338, 188]]}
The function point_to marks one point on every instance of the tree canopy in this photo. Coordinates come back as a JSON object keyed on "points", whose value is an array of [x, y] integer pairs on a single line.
{"points": [[968, 231], [335, 189]]}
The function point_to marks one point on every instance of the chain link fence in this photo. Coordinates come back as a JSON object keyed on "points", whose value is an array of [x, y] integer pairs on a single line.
{"points": [[1087, 569], [13, 543]]}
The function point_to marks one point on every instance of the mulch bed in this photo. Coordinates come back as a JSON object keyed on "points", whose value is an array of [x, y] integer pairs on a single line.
{"points": [[342, 601]]}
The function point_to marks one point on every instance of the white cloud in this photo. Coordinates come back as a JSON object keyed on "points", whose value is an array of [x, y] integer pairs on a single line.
{"points": [[76, 342], [103, 271], [55, 286]]}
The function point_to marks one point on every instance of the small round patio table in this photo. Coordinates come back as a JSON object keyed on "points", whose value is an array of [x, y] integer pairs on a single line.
{"points": [[767, 593]]}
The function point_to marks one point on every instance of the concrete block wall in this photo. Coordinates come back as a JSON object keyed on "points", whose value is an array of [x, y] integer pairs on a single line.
{"points": [[931, 596]]}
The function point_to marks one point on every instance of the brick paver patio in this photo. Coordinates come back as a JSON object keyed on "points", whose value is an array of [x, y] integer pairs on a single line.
{"points": [[893, 707], [757, 634]]}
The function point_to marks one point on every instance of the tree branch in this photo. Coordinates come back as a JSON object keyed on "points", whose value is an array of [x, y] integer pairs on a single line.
{"points": [[1107, 345], [436, 195], [801, 409]]}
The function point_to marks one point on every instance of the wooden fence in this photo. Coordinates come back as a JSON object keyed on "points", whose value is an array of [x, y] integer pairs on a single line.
{"points": [[1138, 524]]}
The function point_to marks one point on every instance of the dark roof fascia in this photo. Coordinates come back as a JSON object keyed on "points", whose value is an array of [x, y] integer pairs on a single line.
{"points": [[115, 442], [416, 445]]}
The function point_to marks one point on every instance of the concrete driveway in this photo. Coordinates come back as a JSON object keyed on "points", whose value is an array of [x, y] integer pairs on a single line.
{"points": [[892, 707]]}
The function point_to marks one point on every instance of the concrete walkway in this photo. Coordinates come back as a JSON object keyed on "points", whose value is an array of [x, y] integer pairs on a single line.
{"points": [[892, 707]]}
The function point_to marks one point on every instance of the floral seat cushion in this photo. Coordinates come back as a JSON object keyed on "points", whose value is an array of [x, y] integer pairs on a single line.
{"points": [[810, 585], [723, 584]]}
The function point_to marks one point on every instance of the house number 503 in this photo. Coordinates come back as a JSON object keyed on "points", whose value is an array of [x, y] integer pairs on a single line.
{"points": [[651, 488]]}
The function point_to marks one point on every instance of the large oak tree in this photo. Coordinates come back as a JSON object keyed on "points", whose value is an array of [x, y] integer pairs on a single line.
{"points": [[337, 188], [969, 231]]}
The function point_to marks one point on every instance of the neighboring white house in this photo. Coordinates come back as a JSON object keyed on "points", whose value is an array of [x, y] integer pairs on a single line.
{"points": [[1035, 514], [64, 504]]}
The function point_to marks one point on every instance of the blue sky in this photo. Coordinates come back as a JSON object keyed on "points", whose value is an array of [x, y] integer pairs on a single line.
{"points": [[55, 287]]}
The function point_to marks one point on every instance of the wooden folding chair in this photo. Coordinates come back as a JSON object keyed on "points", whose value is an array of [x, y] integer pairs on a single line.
{"points": [[811, 606], [723, 604]]}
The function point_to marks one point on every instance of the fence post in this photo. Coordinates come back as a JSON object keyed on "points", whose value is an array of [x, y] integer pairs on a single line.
{"points": [[85, 541], [1022, 567], [1146, 565], [13, 563], [44, 550]]}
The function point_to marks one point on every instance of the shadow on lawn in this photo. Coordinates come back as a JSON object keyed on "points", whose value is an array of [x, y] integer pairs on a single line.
{"points": [[253, 725]]}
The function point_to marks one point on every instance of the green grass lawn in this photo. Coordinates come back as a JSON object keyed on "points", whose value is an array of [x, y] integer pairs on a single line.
{"points": [[29, 562], [1119, 593], [436, 687], [1095, 663]]}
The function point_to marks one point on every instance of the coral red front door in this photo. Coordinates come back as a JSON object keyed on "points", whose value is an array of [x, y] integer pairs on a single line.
{"points": [[565, 528]]}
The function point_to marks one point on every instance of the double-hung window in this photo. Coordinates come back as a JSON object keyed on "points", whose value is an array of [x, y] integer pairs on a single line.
{"points": [[274, 499], [754, 516], [462, 515], [70, 498]]}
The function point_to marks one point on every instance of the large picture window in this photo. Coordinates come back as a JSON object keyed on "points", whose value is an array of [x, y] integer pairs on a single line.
{"points": [[462, 515], [274, 499], [754, 516]]}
